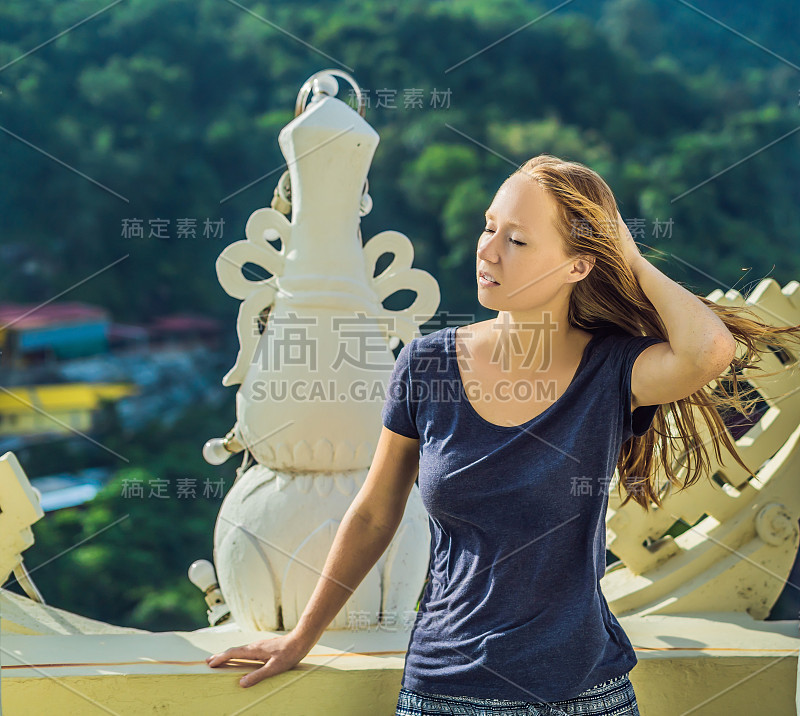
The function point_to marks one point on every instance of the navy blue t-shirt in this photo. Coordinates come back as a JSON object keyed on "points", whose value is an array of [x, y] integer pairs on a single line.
{"points": [[513, 607]]}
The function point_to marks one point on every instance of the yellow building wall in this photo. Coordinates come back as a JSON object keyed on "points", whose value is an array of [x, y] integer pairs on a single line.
{"points": [[35, 410]]}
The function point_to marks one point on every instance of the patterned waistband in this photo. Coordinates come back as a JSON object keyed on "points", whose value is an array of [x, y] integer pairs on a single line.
{"points": [[591, 697]]}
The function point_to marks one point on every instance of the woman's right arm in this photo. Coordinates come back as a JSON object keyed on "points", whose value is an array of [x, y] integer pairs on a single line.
{"points": [[366, 530]]}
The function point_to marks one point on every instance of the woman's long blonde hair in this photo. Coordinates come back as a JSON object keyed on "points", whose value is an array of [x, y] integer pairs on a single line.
{"points": [[610, 294]]}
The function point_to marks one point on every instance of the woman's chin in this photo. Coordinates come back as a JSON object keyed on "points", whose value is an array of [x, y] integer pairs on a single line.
{"points": [[487, 302]]}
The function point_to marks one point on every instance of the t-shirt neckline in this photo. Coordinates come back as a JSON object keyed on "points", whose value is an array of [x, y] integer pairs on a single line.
{"points": [[456, 371]]}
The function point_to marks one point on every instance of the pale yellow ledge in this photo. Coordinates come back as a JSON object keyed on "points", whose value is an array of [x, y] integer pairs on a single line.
{"points": [[729, 665]]}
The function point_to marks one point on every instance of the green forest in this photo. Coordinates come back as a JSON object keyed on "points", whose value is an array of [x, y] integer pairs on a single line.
{"points": [[150, 110]]}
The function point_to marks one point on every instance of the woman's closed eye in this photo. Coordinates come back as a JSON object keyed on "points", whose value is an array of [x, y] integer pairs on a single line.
{"points": [[513, 241]]}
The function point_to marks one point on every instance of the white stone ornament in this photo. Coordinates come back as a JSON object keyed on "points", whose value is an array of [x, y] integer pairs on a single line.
{"points": [[313, 381]]}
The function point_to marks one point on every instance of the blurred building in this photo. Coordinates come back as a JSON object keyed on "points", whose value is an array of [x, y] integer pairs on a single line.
{"points": [[55, 409], [34, 334]]}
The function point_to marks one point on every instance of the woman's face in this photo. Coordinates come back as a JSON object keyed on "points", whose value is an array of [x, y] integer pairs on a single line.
{"points": [[521, 250]]}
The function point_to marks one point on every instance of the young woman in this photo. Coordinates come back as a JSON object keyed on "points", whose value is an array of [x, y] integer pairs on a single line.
{"points": [[512, 428]]}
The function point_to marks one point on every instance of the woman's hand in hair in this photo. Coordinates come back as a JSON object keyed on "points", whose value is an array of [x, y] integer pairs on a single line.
{"points": [[629, 248]]}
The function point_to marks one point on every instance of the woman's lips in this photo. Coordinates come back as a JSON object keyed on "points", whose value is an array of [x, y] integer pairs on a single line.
{"points": [[485, 282]]}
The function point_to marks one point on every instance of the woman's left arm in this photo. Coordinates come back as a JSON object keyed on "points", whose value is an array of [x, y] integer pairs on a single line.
{"points": [[700, 346]]}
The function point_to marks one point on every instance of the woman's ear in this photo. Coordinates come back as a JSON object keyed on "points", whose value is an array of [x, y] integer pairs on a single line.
{"points": [[581, 267]]}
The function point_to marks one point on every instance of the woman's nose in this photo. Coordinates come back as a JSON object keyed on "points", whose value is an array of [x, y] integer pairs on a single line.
{"points": [[486, 250]]}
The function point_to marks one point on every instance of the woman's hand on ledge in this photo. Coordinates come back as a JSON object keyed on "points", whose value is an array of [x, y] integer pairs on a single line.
{"points": [[279, 654]]}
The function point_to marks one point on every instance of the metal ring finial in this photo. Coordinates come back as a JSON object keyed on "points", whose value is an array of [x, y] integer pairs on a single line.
{"points": [[308, 85]]}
